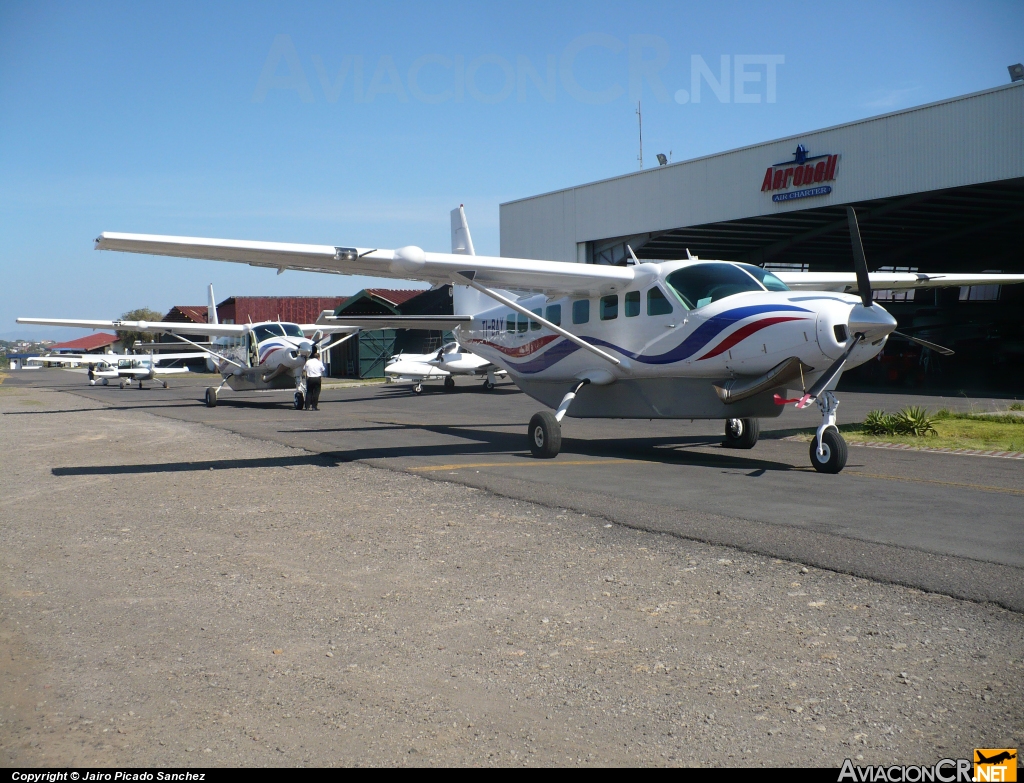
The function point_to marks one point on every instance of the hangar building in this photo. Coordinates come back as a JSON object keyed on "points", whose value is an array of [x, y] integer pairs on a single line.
{"points": [[937, 188]]}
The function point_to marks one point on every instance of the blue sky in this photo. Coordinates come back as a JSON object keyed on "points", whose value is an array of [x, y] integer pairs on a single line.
{"points": [[232, 119]]}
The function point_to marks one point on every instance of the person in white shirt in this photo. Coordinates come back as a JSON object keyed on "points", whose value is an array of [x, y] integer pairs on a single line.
{"points": [[314, 373]]}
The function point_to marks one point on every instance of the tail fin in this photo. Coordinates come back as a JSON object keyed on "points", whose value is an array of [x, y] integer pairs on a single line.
{"points": [[462, 242], [211, 308], [465, 300], [211, 318]]}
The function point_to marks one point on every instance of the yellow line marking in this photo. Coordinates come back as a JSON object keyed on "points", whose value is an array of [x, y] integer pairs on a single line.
{"points": [[981, 487], [540, 463]]}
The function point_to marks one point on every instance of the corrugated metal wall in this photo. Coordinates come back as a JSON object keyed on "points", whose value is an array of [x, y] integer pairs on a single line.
{"points": [[964, 141]]}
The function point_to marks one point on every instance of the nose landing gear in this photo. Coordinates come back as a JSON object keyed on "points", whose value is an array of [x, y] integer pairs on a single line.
{"points": [[741, 433], [828, 449]]}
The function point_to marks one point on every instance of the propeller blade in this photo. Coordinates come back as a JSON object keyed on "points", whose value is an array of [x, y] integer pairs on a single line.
{"points": [[837, 367], [860, 262], [932, 346]]}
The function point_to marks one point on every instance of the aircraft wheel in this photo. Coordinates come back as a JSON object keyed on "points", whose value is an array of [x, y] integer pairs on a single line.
{"points": [[211, 397], [122, 384], [165, 384], [298, 401], [105, 381], [488, 385], [833, 459], [418, 388], [92, 381], [449, 383], [545, 435], [741, 433]]}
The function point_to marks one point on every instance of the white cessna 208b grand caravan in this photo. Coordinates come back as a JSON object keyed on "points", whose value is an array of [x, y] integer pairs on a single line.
{"points": [[688, 339], [249, 357]]}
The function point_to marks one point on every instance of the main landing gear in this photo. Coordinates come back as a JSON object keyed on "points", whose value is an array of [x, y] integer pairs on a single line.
{"points": [[449, 383], [828, 449], [489, 382], [741, 433], [211, 397], [545, 432], [298, 401], [418, 388]]}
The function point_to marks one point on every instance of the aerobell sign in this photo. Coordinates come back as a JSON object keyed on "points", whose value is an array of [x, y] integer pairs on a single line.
{"points": [[806, 173]]}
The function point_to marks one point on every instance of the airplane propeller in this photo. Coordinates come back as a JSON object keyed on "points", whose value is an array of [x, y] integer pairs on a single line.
{"points": [[870, 322]]}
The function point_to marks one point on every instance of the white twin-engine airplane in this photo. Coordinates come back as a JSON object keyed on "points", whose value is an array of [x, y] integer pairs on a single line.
{"points": [[687, 339], [452, 359], [249, 357], [124, 367]]}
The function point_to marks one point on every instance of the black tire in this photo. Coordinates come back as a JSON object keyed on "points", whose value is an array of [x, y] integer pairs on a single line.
{"points": [[211, 397], [449, 383], [298, 401], [545, 435], [834, 458], [418, 388], [165, 384], [741, 433], [488, 385], [122, 384]]}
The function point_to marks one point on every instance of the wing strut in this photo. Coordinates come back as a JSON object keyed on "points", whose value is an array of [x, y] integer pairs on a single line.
{"points": [[205, 350], [466, 278]]}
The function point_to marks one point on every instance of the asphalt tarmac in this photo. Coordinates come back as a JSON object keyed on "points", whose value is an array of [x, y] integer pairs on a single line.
{"points": [[949, 524]]}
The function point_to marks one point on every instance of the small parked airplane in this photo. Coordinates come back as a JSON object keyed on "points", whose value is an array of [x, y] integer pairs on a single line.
{"points": [[123, 367], [449, 361], [249, 357], [657, 340]]}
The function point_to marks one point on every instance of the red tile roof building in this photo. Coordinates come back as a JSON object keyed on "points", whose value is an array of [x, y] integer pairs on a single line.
{"points": [[293, 309], [91, 343]]}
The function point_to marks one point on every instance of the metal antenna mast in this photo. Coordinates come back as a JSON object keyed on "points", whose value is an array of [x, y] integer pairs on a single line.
{"points": [[640, 120]]}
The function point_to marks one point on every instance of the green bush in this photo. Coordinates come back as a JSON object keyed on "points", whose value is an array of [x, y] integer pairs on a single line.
{"points": [[1017, 406], [878, 422], [912, 420]]}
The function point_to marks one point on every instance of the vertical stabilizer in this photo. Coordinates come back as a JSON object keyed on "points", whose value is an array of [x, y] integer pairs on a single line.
{"points": [[211, 308], [211, 318], [465, 300], [462, 242]]}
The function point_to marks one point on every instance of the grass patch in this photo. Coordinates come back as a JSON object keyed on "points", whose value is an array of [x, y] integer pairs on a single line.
{"points": [[949, 431]]}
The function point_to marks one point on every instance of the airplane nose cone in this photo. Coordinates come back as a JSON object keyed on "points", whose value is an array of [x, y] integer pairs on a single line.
{"points": [[873, 322], [306, 348]]}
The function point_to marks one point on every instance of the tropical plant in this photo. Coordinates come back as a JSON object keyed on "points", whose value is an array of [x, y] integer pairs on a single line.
{"points": [[914, 420], [878, 422]]}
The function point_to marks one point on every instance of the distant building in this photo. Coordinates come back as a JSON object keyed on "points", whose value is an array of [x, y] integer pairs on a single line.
{"points": [[98, 342]]}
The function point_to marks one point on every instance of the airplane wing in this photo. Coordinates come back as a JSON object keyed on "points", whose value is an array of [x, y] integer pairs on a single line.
{"points": [[847, 281], [434, 322], [217, 330], [406, 263]]}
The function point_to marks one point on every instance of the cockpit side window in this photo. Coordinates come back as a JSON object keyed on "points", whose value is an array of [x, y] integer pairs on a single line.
{"points": [[768, 280], [292, 330], [701, 284]]}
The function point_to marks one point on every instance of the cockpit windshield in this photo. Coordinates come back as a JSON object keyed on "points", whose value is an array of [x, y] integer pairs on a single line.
{"points": [[768, 280], [701, 284], [266, 331], [292, 330]]}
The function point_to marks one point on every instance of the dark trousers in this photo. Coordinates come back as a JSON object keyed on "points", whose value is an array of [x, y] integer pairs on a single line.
{"points": [[313, 392]]}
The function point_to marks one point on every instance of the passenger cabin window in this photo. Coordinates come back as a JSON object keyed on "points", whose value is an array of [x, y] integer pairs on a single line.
{"points": [[554, 314], [701, 284], [657, 304], [581, 311], [632, 302], [523, 323], [766, 278], [535, 325], [510, 322], [609, 307]]}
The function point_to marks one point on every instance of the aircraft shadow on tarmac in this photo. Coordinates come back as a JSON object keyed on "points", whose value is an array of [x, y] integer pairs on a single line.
{"points": [[476, 441], [299, 461]]}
